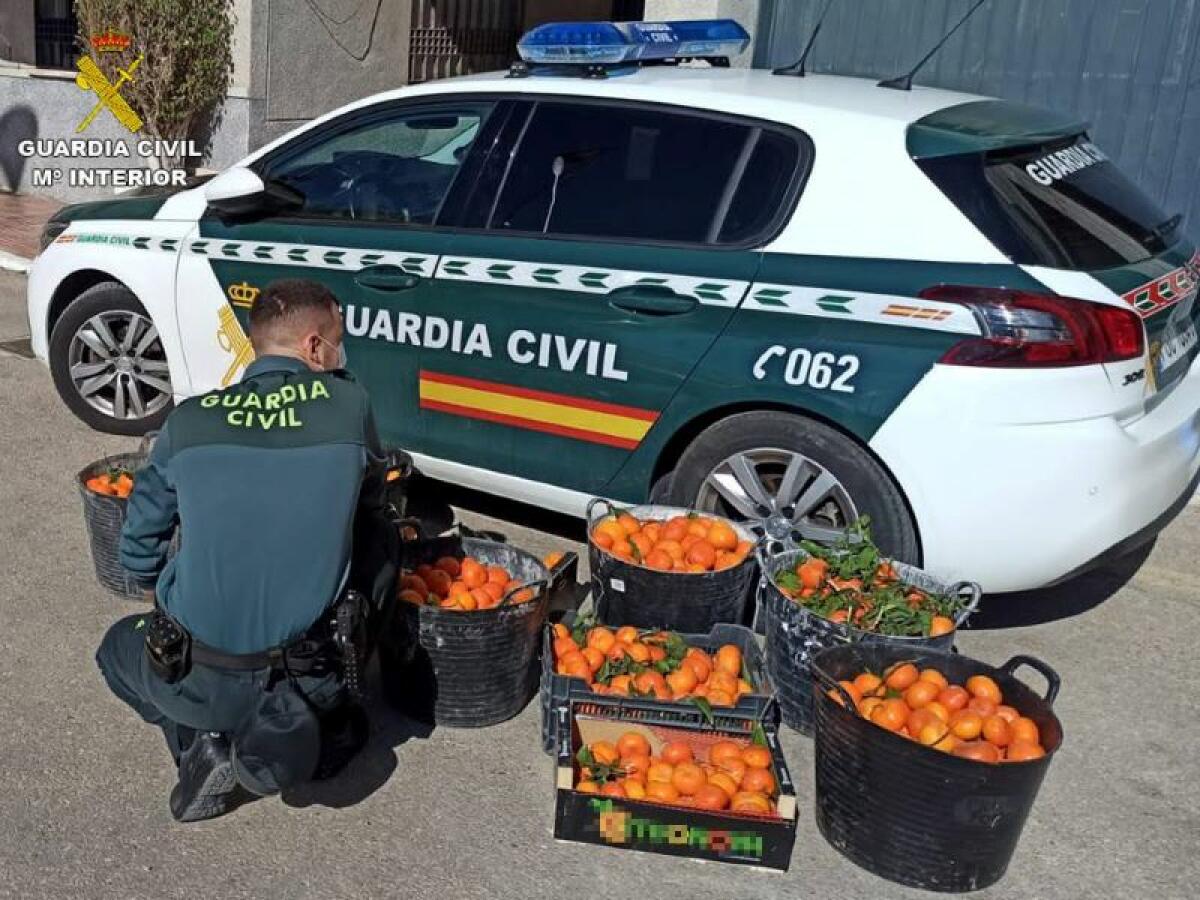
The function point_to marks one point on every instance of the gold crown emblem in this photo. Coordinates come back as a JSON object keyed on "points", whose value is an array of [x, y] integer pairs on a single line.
{"points": [[111, 41], [243, 294]]}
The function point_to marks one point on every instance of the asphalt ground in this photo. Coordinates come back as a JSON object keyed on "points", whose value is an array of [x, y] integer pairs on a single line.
{"points": [[469, 813]]}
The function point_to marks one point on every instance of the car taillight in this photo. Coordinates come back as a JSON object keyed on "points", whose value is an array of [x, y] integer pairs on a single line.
{"points": [[1022, 329]]}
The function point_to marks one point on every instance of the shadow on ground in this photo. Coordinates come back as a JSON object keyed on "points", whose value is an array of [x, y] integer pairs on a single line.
{"points": [[1080, 594]]}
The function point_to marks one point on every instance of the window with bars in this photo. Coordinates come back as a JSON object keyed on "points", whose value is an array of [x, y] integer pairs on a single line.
{"points": [[54, 31]]}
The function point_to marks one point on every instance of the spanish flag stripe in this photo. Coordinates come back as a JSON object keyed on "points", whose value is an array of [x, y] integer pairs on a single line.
{"points": [[529, 424], [615, 409], [577, 420]]}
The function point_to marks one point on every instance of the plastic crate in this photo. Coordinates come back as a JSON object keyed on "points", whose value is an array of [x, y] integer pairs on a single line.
{"points": [[743, 838], [559, 691]]}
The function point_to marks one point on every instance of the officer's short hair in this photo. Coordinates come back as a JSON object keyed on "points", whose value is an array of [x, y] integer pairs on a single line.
{"points": [[288, 302]]}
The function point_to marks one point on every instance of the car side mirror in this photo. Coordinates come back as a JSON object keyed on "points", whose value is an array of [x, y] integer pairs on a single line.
{"points": [[239, 192]]}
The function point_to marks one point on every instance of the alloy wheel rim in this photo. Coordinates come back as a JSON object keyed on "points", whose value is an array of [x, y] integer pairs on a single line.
{"points": [[780, 494], [118, 366]]}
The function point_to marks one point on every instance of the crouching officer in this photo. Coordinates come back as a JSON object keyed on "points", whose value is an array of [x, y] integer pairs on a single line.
{"points": [[271, 482]]}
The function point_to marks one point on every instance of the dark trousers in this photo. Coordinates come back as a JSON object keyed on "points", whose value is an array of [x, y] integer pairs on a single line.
{"points": [[206, 699]]}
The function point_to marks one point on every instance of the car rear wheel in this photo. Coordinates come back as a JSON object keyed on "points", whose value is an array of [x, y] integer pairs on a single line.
{"points": [[790, 478], [108, 362]]}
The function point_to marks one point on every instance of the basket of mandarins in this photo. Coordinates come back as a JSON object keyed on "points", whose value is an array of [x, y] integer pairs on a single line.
{"points": [[104, 487], [927, 763], [667, 567], [814, 597], [461, 649]]}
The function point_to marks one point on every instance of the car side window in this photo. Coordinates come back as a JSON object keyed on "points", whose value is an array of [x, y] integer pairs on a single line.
{"points": [[591, 170], [393, 166]]}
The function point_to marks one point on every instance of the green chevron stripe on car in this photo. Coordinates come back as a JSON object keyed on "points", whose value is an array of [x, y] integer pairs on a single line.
{"points": [[586, 279], [317, 257], [881, 309]]}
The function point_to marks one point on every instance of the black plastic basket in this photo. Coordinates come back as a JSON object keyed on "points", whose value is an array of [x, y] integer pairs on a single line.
{"points": [[628, 594], [795, 634], [912, 814], [558, 692], [104, 517], [466, 669]]}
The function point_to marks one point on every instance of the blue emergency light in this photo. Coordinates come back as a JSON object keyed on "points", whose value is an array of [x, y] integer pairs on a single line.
{"points": [[618, 43]]}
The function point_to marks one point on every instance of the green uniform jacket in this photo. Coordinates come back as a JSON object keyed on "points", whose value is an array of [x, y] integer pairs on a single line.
{"points": [[265, 479]]}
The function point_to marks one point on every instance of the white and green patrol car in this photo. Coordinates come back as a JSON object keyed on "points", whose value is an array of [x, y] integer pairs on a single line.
{"points": [[793, 300]]}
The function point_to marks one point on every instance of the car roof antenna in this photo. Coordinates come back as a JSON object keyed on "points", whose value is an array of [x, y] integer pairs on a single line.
{"points": [[904, 82], [797, 68]]}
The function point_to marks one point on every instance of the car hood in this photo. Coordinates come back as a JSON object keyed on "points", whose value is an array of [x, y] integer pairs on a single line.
{"points": [[143, 203]]}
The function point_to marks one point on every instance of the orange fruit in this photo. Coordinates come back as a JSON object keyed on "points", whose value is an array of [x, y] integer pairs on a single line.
{"points": [[729, 659], [921, 692], [439, 582], [619, 684], [902, 677], [947, 743], [918, 719], [657, 653], [868, 684], [636, 765], [473, 574], [483, 598], [966, 724], [612, 528], [622, 549], [698, 525], [931, 733], [643, 544], [564, 645], [983, 686], [869, 705], [673, 549], [757, 756], [658, 559], [1025, 730], [938, 710], [1022, 751], [760, 780], [1007, 713], [633, 744], [497, 575], [735, 769], [702, 553], [550, 560], [940, 625], [588, 787], [718, 697], [849, 688], [601, 638], [751, 802], [605, 753], [996, 730], [637, 651], [688, 778], [891, 714], [629, 524], [699, 663], [954, 697], [626, 634], [676, 752], [676, 529], [982, 705], [981, 751], [613, 789], [410, 596], [411, 582], [652, 530], [725, 782], [682, 681], [662, 791], [660, 771], [936, 677], [722, 536], [711, 797], [594, 658], [576, 666], [650, 682], [722, 751], [634, 790]]}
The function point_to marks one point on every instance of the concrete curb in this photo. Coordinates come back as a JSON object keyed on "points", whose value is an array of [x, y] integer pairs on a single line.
{"points": [[10, 262]]}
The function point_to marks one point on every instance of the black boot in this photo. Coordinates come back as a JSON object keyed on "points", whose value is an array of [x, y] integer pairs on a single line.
{"points": [[206, 783]]}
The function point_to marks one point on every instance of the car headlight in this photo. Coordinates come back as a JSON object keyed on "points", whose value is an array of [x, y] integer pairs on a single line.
{"points": [[50, 231]]}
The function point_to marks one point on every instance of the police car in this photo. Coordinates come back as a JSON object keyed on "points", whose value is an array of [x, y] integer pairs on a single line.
{"points": [[790, 299]]}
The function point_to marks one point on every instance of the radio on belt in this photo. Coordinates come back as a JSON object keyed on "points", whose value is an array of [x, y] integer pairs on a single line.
{"points": [[619, 43]]}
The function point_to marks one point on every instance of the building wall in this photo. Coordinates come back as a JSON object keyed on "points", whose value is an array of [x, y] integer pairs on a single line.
{"points": [[1128, 66]]}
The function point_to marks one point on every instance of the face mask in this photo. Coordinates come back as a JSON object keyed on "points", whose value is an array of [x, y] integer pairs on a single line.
{"points": [[341, 351]]}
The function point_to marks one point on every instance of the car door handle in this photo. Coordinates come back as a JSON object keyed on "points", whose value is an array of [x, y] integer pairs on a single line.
{"points": [[652, 300], [387, 278]]}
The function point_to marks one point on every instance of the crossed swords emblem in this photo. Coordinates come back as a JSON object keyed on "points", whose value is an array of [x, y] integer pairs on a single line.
{"points": [[90, 78]]}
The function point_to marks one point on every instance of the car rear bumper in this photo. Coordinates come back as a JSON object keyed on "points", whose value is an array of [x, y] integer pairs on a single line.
{"points": [[1015, 493]]}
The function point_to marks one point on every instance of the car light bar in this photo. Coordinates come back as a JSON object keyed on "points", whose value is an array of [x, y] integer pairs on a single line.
{"points": [[616, 43]]}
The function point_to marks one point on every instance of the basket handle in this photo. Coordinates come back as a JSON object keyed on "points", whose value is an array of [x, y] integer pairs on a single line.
{"points": [[829, 682], [541, 584], [1053, 682], [482, 535], [593, 503], [973, 588]]}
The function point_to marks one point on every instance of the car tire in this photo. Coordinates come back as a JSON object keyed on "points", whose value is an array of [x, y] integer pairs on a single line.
{"points": [[112, 387], [827, 463]]}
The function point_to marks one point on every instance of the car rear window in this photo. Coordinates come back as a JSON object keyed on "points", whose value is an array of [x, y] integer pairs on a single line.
{"points": [[1063, 204], [636, 173]]}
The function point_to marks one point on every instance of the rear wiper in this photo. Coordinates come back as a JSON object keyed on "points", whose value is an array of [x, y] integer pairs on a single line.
{"points": [[1164, 230]]}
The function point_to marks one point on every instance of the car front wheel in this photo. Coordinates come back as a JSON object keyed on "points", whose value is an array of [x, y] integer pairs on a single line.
{"points": [[792, 478], [108, 362]]}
